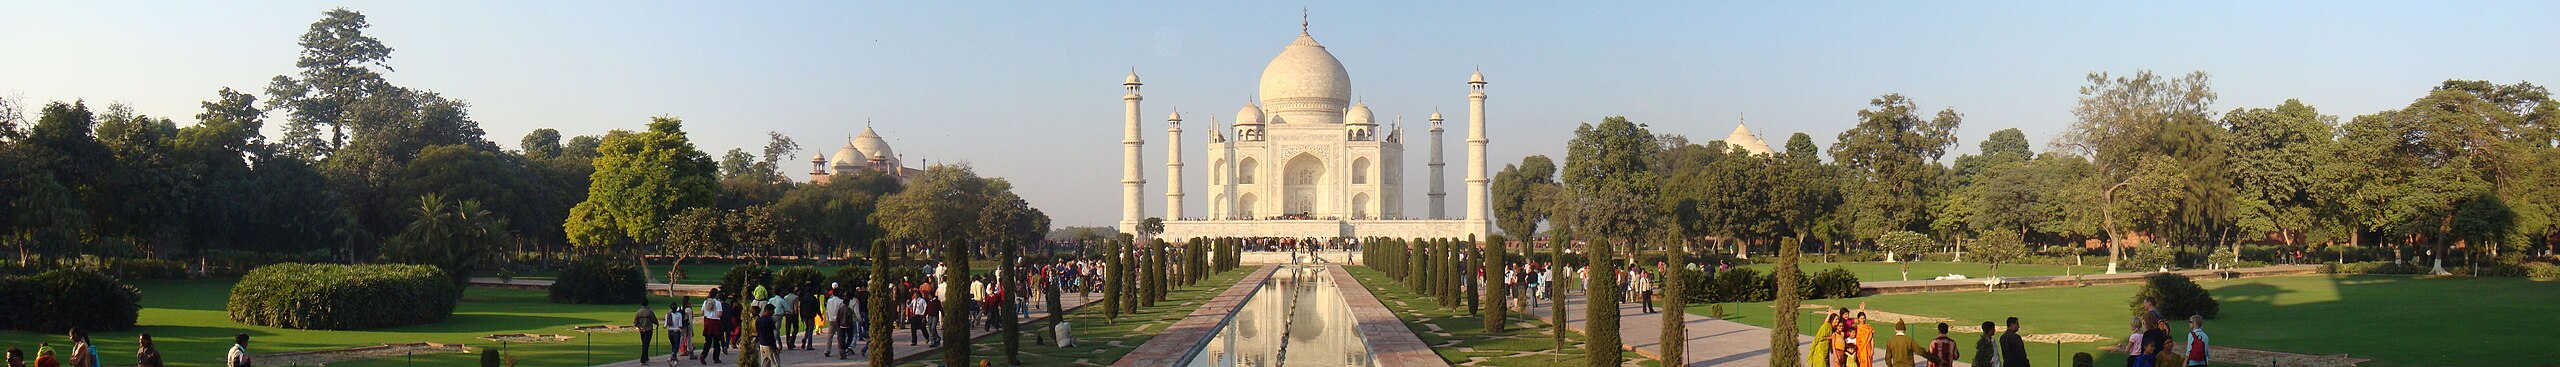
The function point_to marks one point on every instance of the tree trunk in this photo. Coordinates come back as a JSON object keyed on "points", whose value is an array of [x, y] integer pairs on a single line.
{"points": [[2115, 244]]}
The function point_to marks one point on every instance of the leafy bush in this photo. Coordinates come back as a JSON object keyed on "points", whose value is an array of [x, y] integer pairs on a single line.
{"points": [[1741, 285], [600, 280], [2151, 257], [744, 278], [2542, 270], [2374, 267], [342, 297], [2178, 297], [131, 268], [800, 280], [1833, 283], [850, 276], [58, 300]]}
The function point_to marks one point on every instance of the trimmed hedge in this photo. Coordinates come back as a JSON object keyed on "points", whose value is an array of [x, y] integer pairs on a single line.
{"points": [[342, 297], [1747, 285], [2374, 267], [600, 281], [2542, 270], [2178, 297], [743, 279], [58, 300], [1833, 283]]}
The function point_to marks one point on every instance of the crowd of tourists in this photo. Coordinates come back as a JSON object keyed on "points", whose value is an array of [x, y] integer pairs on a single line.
{"points": [[775, 321], [1846, 338]]}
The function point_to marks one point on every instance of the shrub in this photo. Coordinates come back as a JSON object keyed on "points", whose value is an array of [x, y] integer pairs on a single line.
{"points": [[58, 300], [801, 280], [2152, 257], [600, 281], [744, 278], [850, 276], [2542, 270], [1741, 285], [2374, 267], [131, 268], [1833, 283], [342, 297], [2178, 297]]}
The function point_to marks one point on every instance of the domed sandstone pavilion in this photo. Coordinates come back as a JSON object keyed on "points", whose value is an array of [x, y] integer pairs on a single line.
{"points": [[1306, 161]]}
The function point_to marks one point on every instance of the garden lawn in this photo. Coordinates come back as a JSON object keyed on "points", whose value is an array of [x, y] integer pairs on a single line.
{"points": [[1099, 341], [187, 320], [2394, 320], [1924, 270], [1527, 343]]}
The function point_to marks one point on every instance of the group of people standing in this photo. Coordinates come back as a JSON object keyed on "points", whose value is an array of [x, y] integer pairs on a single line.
{"points": [[1845, 338], [84, 353]]}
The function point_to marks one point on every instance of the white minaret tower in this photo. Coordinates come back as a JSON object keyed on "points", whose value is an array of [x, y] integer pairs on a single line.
{"points": [[1439, 179], [1173, 166], [1476, 193], [1132, 207]]}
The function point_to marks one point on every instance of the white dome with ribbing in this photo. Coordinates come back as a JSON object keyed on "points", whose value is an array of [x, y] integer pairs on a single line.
{"points": [[1305, 84]]}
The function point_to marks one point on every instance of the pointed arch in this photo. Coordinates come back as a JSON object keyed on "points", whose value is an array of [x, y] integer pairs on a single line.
{"points": [[1360, 171], [1360, 206], [1245, 171]]}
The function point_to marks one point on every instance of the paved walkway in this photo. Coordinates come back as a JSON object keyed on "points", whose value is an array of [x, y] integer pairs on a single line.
{"points": [[813, 358], [1711, 342], [1978, 285]]}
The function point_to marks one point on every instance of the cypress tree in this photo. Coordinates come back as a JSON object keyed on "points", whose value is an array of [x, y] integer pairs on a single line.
{"points": [[1469, 266], [1601, 347], [1496, 293], [1675, 299], [1556, 286], [1111, 281], [1151, 271], [879, 308], [1782, 338]]}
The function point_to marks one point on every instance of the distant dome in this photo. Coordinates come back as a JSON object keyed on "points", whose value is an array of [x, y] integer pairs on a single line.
{"points": [[875, 147], [848, 158], [1749, 141], [1305, 84], [1176, 116], [1249, 115], [1478, 78]]}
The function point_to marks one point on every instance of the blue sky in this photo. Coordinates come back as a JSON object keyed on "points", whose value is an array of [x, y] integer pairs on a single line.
{"points": [[1029, 91]]}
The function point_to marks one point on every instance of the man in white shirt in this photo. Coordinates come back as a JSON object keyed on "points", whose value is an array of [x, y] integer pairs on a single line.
{"points": [[784, 314], [239, 356], [716, 329]]}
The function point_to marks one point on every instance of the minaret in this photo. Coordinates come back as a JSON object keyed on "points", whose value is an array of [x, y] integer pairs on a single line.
{"points": [[1132, 207], [1476, 193], [1173, 166], [1439, 179]]}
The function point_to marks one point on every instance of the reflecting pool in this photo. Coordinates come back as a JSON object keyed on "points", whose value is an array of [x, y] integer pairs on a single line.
{"points": [[1296, 318]]}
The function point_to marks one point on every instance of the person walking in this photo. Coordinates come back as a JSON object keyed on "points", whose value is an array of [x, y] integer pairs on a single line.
{"points": [[841, 318], [1986, 352], [715, 326], [15, 358], [779, 302], [239, 355], [83, 352], [808, 305], [678, 321], [647, 322], [1899, 350], [1942, 350], [149, 355], [915, 319], [2013, 349], [768, 353], [2199, 348]]}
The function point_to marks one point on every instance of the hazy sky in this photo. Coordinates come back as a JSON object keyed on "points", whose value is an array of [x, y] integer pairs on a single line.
{"points": [[1029, 91]]}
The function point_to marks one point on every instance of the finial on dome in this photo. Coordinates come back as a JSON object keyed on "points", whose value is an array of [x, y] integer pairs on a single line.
{"points": [[1302, 21], [1435, 114], [1177, 115]]}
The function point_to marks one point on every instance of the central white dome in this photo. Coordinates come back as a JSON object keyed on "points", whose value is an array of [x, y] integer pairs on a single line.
{"points": [[1305, 84]]}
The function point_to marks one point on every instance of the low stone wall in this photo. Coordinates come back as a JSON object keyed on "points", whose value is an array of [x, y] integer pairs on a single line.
{"points": [[1176, 343], [1390, 342], [1979, 285]]}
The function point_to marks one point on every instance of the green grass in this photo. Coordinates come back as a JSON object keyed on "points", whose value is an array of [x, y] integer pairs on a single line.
{"points": [[1527, 343], [187, 320], [2394, 320], [1099, 341], [1923, 270]]}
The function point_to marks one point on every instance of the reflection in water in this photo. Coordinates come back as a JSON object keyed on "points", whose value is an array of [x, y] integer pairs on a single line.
{"points": [[1296, 318]]}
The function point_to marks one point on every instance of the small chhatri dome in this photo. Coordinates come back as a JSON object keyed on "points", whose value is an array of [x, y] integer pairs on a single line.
{"points": [[1478, 78], [1435, 115], [1360, 115], [871, 144], [1133, 78], [1306, 84], [1249, 115], [1177, 116]]}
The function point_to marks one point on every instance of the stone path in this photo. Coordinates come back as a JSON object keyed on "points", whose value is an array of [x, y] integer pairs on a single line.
{"points": [[1711, 342], [813, 358]]}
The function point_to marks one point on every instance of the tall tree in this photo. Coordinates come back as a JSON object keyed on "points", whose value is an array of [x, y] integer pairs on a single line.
{"points": [[2273, 153], [2154, 129], [338, 61], [640, 180], [1612, 191], [1889, 164]]}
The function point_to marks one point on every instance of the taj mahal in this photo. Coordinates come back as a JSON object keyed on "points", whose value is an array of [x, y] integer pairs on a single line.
{"points": [[1306, 161]]}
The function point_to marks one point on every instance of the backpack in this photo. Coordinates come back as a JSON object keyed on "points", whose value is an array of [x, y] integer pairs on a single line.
{"points": [[2196, 349]]}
